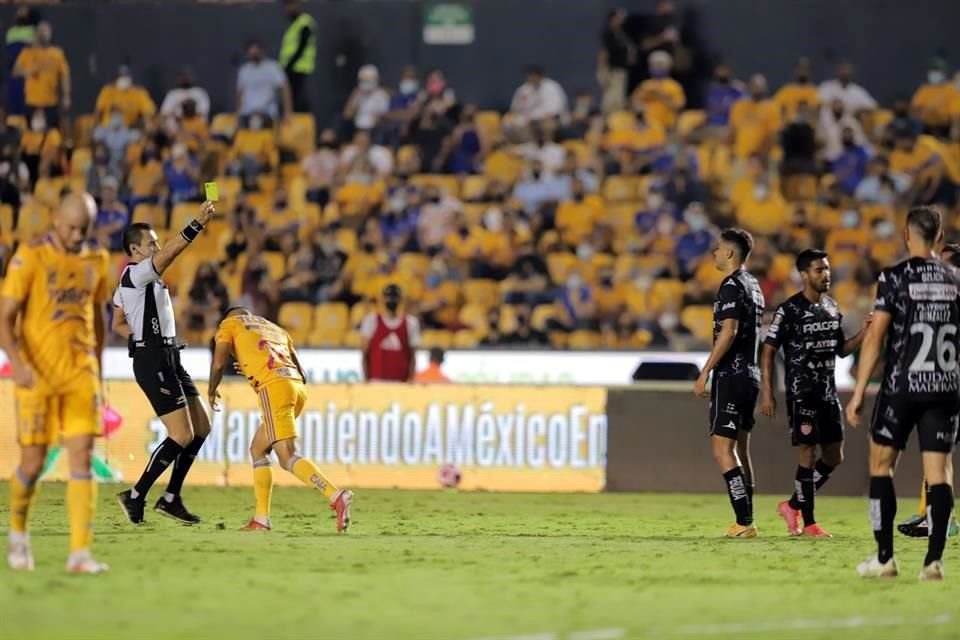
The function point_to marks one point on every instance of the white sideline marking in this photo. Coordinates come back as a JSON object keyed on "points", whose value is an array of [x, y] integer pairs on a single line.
{"points": [[590, 634], [802, 624]]}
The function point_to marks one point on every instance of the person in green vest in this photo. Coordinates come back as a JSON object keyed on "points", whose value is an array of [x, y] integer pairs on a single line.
{"points": [[298, 52], [20, 35]]}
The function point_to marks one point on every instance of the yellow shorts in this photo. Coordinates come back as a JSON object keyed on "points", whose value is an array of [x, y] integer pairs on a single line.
{"points": [[280, 403], [46, 415]]}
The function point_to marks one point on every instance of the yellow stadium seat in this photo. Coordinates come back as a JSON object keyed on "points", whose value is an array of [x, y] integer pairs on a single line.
{"points": [[621, 216], [508, 319], [228, 188], [449, 185], [580, 150], [666, 293], [583, 339], [541, 314], [689, 121], [874, 122], [299, 134], [6, 223], [559, 339], [782, 266], [473, 188], [47, 191], [481, 292], [473, 212], [297, 319], [415, 264], [267, 183], [153, 214], [699, 320], [474, 316], [224, 124], [34, 221], [83, 127], [80, 162], [436, 338], [488, 124], [620, 188], [276, 263], [347, 240], [872, 212], [621, 120], [560, 264], [465, 340], [353, 340], [183, 213], [359, 311], [329, 324]]}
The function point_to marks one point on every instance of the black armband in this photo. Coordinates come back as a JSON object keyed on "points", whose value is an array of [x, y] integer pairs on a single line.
{"points": [[191, 231]]}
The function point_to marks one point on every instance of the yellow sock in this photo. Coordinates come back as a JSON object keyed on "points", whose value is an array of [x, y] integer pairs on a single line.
{"points": [[923, 500], [262, 487], [310, 475], [22, 496], [81, 504]]}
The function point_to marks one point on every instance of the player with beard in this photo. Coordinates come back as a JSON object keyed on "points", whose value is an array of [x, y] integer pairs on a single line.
{"points": [[808, 327]]}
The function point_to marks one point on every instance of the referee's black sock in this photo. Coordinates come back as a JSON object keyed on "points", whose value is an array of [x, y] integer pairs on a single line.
{"points": [[162, 457], [883, 510], [806, 490], [739, 496], [939, 508], [821, 473], [182, 466]]}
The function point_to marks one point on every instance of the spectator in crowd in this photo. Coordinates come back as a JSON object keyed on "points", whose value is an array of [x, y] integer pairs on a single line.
{"points": [[100, 169], [538, 188], [661, 96], [801, 91], [581, 117], [298, 282], [576, 218], [298, 53], [759, 206], [186, 90], [797, 234], [937, 101], [320, 168], [696, 242], [855, 99], [257, 287], [328, 262], [132, 100], [577, 298], [850, 167], [724, 91], [903, 117], [617, 54], [182, 174], [879, 186], [207, 299], [683, 189], [430, 133], [369, 102], [492, 336], [463, 147], [883, 246], [42, 148], [254, 151], [924, 165], [529, 281], [754, 121], [437, 220], [145, 177], [404, 105], [20, 35], [433, 374], [10, 139], [261, 85], [658, 32], [833, 120], [192, 129], [116, 136], [799, 143], [544, 148], [112, 216], [537, 99], [46, 74], [438, 96], [361, 151]]}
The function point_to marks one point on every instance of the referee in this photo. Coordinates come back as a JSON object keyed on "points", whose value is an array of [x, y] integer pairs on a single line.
{"points": [[144, 315]]}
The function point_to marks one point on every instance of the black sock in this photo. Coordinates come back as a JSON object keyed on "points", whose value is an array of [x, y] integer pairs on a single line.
{"points": [[162, 457], [883, 510], [821, 473], [805, 494], [939, 508], [739, 496], [182, 465]]}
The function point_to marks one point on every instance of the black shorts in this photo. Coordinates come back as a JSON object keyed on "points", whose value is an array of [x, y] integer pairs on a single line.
{"points": [[163, 379], [895, 416], [733, 401], [815, 420]]}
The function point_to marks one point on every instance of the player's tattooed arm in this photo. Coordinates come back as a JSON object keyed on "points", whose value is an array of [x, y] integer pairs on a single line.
{"points": [[852, 344], [768, 402]]}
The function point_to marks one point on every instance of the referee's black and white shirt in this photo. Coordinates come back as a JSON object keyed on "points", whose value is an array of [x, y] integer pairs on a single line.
{"points": [[145, 301]]}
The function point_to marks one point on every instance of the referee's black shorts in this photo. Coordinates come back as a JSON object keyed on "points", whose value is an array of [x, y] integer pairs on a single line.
{"points": [[163, 379]]}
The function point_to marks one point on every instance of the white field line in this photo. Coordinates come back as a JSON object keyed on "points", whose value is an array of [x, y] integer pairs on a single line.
{"points": [[590, 634], [797, 625]]}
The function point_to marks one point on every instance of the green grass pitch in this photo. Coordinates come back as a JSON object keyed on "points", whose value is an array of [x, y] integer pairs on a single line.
{"points": [[472, 565]]}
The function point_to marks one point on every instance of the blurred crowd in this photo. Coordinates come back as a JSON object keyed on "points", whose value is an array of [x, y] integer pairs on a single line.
{"points": [[579, 219]]}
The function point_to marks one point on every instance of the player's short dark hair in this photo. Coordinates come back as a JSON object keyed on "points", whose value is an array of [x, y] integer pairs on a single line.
{"points": [[436, 355], [740, 238], [808, 257], [133, 234], [926, 221], [954, 260]]}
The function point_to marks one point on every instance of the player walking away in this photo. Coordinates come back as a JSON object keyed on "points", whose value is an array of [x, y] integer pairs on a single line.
{"points": [[916, 525], [57, 287], [390, 340], [737, 313], [917, 313], [808, 328], [267, 358], [144, 315]]}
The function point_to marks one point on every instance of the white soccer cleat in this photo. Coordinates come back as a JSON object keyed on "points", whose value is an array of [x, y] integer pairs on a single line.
{"points": [[873, 568], [933, 571], [83, 562], [19, 553]]}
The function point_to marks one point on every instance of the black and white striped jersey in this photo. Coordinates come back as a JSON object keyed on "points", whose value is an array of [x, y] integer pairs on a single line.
{"points": [[145, 300]]}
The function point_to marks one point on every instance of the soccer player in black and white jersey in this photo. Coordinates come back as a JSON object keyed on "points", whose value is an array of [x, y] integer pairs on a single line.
{"points": [[144, 315], [808, 329], [918, 314], [737, 313]]}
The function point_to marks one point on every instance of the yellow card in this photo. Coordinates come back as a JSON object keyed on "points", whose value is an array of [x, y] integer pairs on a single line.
{"points": [[211, 189]]}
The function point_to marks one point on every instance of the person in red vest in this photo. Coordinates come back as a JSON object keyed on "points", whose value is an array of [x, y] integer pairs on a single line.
{"points": [[390, 340]]}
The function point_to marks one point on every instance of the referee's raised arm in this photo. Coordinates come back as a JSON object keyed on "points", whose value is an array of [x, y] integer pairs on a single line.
{"points": [[165, 256]]}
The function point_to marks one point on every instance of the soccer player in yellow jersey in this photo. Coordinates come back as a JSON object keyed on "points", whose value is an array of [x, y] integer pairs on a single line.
{"points": [[265, 355], [56, 286]]}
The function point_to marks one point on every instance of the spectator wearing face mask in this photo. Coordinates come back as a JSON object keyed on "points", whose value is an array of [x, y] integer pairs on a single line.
{"points": [[117, 136], [463, 147], [133, 101], [254, 151], [577, 217], [850, 167], [885, 248], [182, 175], [851, 238], [761, 208], [185, 90], [112, 217], [724, 91], [320, 168], [20, 36], [438, 218], [799, 143], [193, 130], [538, 98], [833, 120], [538, 188], [369, 102], [42, 148], [577, 299], [696, 242], [145, 177], [544, 148], [921, 159], [800, 91], [935, 102], [99, 170], [46, 76], [854, 98], [754, 121], [879, 186], [328, 262], [661, 97], [261, 85], [903, 118]]}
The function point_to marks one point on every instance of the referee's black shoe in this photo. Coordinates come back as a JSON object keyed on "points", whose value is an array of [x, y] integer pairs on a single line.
{"points": [[176, 511], [132, 507]]}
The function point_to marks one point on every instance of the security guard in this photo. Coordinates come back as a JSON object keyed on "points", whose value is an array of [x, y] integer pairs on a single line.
{"points": [[298, 52]]}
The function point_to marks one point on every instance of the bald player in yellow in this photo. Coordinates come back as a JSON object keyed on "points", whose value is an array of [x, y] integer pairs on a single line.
{"points": [[265, 355], [57, 287]]}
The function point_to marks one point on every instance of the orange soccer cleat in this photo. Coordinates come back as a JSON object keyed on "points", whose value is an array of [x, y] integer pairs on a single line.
{"points": [[815, 531], [255, 525], [791, 516], [340, 503]]}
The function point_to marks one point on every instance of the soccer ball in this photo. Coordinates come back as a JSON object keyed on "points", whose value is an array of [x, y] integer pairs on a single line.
{"points": [[448, 476]]}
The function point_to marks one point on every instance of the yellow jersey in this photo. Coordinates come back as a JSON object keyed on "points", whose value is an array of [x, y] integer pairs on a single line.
{"points": [[263, 350], [59, 290], [134, 103], [44, 69]]}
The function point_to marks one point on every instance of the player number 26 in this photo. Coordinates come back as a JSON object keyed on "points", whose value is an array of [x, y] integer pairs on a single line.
{"points": [[946, 351]]}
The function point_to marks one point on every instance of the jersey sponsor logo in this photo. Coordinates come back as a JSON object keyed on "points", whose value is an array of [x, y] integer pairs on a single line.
{"points": [[825, 325], [808, 314], [932, 291], [729, 305]]}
